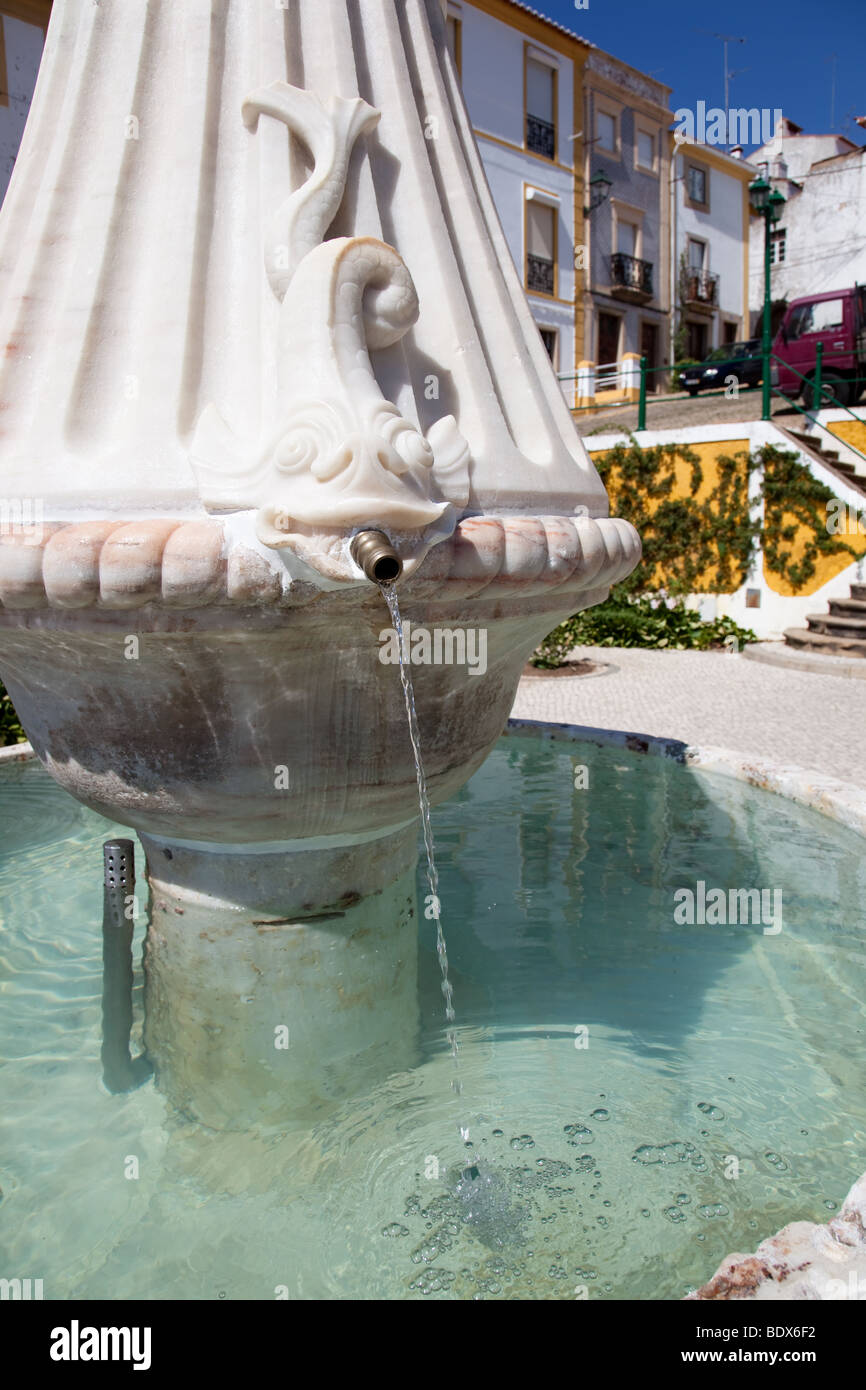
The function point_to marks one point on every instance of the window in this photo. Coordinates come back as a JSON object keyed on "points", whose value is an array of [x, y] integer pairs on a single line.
{"points": [[815, 318], [778, 246], [605, 131], [540, 248], [697, 255], [454, 35], [696, 183], [548, 337], [540, 109], [646, 151], [729, 335], [627, 238]]}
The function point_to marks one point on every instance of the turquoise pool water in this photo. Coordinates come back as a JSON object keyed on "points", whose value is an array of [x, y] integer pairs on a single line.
{"points": [[644, 1097]]}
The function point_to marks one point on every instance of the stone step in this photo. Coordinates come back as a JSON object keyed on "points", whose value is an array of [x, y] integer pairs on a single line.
{"points": [[830, 457], [854, 606], [813, 441], [858, 591], [803, 639], [838, 626]]}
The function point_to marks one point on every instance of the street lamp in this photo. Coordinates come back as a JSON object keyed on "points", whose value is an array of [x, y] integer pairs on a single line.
{"points": [[767, 202], [599, 186]]}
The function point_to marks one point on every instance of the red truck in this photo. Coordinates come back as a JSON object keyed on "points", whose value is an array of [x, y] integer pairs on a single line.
{"points": [[838, 320]]}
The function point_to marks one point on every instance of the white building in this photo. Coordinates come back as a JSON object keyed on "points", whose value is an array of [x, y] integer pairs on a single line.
{"points": [[819, 242], [709, 248], [22, 35], [521, 76]]}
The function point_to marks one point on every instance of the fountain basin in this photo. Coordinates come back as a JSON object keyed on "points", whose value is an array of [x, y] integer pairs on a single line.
{"points": [[262, 709], [553, 927]]}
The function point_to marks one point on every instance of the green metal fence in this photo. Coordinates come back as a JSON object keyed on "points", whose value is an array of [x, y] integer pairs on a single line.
{"points": [[815, 383]]}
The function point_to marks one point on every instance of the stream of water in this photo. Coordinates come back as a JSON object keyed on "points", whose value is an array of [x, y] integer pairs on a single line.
{"points": [[433, 906]]}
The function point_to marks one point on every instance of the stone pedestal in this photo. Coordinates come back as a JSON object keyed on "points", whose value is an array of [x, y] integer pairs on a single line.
{"points": [[279, 980]]}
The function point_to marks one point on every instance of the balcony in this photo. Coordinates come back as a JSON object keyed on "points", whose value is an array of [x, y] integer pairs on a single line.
{"points": [[539, 274], [540, 136], [701, 291], [631, 278]]}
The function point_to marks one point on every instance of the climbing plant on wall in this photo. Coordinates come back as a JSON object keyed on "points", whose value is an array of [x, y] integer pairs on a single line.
{"points": [[704, 540], [699, 538]]}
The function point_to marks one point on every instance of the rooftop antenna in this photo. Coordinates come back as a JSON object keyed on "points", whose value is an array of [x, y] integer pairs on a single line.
{"points": [[726, 39], [832, 60]]}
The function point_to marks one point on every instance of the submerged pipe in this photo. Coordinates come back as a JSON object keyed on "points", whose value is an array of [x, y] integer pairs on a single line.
{"points": [[120, 1071], [376, 556]]}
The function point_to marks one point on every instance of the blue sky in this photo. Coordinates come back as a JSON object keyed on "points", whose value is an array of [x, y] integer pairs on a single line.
{"points": [[785, 62]]}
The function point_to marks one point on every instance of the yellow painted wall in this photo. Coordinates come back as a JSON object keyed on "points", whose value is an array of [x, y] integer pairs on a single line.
{"points": [[826, 566], [850, 432], [708, 453]]}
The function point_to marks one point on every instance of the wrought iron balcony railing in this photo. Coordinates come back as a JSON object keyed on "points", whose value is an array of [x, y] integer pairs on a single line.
{"points": [[701, 288], [629, 273], [539, 274], [540, 136]]}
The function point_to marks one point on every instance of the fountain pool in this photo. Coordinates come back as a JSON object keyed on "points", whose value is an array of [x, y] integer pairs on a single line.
{"points": [[617, 1067]]}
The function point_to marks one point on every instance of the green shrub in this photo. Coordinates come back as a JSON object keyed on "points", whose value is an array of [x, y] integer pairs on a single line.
{"points": [[622, 621], [10, 729]]}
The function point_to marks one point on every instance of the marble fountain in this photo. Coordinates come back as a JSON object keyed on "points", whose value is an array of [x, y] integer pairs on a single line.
{"points": [[257, 302], [265, 350]]}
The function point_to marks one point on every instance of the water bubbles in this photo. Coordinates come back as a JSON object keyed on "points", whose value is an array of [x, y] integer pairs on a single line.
{"points": [[441, 1239], [645, 1212], [713, 1112], [395, 1229], [713, 1210], [667, 1154], [602, 1221], [523, 1141], [776, 1161], [433, 1280], [486, 1204], [683, 1198], [583, 1163], [831, 1206], [578, 1134], [498, 1133], [551, 1168], [601, 1114], [674, 1214]]}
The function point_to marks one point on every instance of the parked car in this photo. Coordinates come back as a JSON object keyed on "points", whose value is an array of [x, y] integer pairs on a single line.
{"points": [[837, 319], [742, 361]]}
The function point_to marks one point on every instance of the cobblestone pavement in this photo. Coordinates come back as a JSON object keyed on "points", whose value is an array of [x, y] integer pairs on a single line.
{"points": [[712, 698], [670, 411]]}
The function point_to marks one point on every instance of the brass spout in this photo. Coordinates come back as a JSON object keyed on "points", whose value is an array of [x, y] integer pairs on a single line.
{"points": [[376, 556]]}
